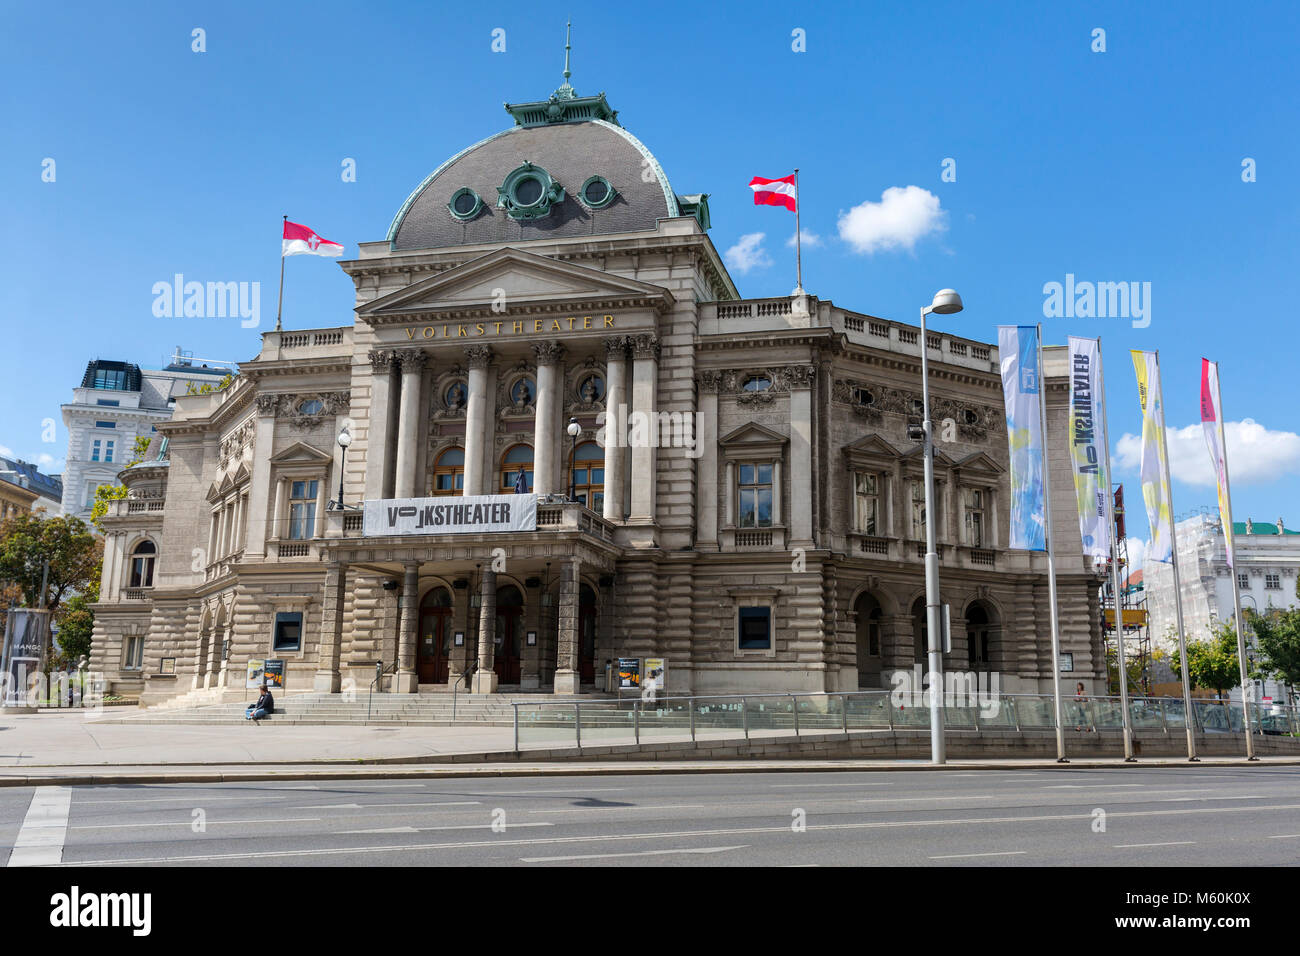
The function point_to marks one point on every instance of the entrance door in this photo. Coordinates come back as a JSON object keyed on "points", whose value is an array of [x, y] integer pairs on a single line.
{"points": [[435, 637], [510, 612], [586, 635]]}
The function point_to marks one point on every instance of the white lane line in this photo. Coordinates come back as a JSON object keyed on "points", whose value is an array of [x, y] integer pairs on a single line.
{"points": [[686, 834], [126, 801], [186, 823], [818, 786], [465, 826], [396, 806], [1085, 786], [611, 856], [44, 829], [965, 856], [1130, 846], [1286, 836], [526, 793], [680, 806]]}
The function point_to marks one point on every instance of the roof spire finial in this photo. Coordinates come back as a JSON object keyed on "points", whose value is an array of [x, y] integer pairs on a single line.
{"points": [[568, 31]]}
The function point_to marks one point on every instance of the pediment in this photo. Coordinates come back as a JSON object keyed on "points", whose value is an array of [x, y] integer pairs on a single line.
{"points": [[871, 446], [980, 463], [916, 456], [300, 453], [516, 279], [752, 433]]}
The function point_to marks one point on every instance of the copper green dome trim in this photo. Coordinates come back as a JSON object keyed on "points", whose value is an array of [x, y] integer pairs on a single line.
{"points": [[415, 193], [669, 196]]}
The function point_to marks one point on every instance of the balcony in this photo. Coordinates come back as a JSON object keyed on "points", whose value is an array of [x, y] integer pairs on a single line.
{"points": [[552, 517], [137, 594]]}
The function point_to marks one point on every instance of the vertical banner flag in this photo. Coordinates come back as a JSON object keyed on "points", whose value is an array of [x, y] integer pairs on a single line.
{"points": [[1088, 446], [1018, 350], [1212, 425], [1155, 469]]}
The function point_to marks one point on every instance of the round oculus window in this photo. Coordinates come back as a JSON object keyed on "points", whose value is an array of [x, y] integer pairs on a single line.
{"points": [[596, 192], [528, 190], [464, 203]]}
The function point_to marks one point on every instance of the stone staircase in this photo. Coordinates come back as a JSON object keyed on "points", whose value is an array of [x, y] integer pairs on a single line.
{"points": [[321, 709]]}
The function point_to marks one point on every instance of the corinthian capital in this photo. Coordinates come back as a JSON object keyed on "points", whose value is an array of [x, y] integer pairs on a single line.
{"points": [[381, 360], [616, 347], [548, 353], [478, 356], [645, 345], [267, 404], [412, 360]]}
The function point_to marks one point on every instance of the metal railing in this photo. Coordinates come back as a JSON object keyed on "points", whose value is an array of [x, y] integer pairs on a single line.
{"points": [[610, 721]]}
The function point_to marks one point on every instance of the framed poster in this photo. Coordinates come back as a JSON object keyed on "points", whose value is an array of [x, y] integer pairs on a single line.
{"points": [[531, 639], [656, 672], [256, 669], [629, 673], [167, 665], [273, 674], [1067, 662], [459, 639]]}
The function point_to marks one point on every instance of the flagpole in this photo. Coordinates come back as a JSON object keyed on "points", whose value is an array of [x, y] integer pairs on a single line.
{"points": [[1051, 554], [1189, 716], [798, 237], [1114, 569], [280, 300], [1232, 570]]}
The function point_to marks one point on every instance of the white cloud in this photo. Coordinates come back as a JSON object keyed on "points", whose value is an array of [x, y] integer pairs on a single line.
{"points": [[44, 461], [1137, 552], [904, 215], [810, 239], [1255, 453], [7, 452], [747, 254]]}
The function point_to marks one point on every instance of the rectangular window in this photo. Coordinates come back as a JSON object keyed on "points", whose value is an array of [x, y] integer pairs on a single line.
{"points": [[755, 495], [1243, 581], [133, 653], [866, 503], [918, 511], [288, 631], [1272, 582], [302, 510], [103, 424], [95, 450], [755, 632], [974, 501], [110, 378], [112, 402], [108, 451]]}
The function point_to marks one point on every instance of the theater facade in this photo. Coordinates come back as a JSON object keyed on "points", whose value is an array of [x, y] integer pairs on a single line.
{"points": [[570, 440]]}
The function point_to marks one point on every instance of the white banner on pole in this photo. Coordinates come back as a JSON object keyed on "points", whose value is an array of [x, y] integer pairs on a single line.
{"points": [[1088, 444]]}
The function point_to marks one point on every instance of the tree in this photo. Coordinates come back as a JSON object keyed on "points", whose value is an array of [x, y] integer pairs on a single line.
{"points": [[207, 387], [76, 623], [107, 493], [28, 540], [1212, 664], [1278, 636]]}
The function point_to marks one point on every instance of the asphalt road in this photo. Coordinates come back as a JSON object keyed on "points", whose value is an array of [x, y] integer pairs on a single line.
{"points": [[1162, 817]]}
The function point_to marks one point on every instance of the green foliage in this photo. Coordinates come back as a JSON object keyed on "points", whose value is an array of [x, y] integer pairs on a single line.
{"points": [[1278, 636], [74, 554], [1212, 664], [106, 493], [76, 623], [208, 388]]}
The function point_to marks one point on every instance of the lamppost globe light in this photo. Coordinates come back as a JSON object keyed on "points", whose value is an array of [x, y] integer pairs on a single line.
{"points": [[946, 302], [574, 428], [345, 438]]}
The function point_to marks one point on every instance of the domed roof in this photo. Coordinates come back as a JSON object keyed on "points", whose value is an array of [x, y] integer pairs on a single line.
{"points": [[550, 176]]}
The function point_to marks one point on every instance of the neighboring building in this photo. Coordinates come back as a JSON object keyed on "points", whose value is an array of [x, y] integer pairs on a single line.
{"points": [[1267, 560], [23, 487], [770, 540], [115, 403]]}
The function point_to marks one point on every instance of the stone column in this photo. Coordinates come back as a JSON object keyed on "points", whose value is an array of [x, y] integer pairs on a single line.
{"points": [[213, 521], [567, 674], [645, 374], [485, 678], [378, 454], [477, 357], [260, 487], [412, 362], [407, 681], [706, 465], [778, 490], [615, 427], [550, 386], [729, 519], [279, 519], [331, 629], [801, 484]]}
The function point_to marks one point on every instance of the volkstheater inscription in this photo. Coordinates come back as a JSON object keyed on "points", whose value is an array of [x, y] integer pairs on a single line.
{"points": [[470, 330], [469, 515]]}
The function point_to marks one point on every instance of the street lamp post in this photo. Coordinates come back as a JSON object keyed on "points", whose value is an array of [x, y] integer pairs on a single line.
{"points": [[574, 431], [946, 302], [345, 439]]}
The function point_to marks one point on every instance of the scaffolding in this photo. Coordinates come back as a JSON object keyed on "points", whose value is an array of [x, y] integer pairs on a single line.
{"points": [[1132, 606]]}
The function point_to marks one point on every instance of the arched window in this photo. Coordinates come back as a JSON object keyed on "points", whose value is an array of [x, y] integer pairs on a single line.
{"points": [[142, 559], [449, 472], [589, 475], [516, 459]]}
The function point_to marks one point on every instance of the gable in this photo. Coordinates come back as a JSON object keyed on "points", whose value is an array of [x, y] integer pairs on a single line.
{"points": [[300, 453]]}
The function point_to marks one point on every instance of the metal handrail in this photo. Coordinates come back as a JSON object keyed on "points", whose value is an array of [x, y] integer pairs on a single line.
{"points": [[379, 673]]}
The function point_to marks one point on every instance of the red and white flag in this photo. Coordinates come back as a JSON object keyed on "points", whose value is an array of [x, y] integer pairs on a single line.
{"points": [[301, 241], [775, 192]]}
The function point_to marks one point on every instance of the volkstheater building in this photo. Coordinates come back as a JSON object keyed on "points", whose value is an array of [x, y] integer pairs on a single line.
{"points": [[740, 499]]}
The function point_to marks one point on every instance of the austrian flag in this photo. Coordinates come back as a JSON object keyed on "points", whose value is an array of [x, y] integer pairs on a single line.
{"points": [[301, 241], [776, 192]]}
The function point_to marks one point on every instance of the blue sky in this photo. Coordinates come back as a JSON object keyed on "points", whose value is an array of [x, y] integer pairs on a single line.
{"points": [[1123, 165]]}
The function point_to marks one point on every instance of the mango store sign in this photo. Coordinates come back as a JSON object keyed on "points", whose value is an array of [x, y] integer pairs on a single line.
{"points": [[474, 514]]}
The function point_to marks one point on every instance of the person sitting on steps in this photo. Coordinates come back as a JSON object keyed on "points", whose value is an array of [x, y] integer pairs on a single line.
{"points": [[264, 707]]}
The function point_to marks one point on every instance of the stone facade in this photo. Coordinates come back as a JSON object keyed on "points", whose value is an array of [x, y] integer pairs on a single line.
{"points": [[721, 446]]}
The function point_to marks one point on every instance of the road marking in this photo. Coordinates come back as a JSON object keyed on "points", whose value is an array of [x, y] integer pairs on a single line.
{"points": [[680, 806], [1085, 786], [398, 806], [44, 829], [186, 823], [1286, 836], [1130, 846], [624, 837], [465, 826], [964, 856], [809, 786], [191, 799], [611, 856]]}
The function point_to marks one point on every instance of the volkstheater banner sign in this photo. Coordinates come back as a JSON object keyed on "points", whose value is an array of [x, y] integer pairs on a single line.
{"points": [[474, 514]]}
